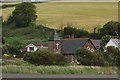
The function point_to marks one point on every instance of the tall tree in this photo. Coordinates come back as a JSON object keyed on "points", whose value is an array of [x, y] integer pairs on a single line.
{"points": [[24, 14], [111, 28]]}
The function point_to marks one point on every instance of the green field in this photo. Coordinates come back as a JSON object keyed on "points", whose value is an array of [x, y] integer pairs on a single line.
{"points": [[20, 66], [85, 15]]}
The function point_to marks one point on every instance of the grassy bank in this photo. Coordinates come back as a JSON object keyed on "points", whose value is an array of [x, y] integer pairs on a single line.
{"points": [[85, 15], [24, 36], [20, 66]]}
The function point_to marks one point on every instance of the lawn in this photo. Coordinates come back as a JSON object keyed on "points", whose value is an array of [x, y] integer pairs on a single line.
{"points": [[84, 15], [20, 66]]}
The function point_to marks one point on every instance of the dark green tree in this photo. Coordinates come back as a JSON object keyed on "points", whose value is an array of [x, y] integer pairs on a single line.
{"points": [[112, 56], [70, 31], [105, 40], [111, 28], [85, 57], [23, 14]]}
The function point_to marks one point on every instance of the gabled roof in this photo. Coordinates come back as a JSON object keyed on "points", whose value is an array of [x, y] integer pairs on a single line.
{"points": [[113, 42], [54, 36], [37, 45], [69, 46], [116, 42], [96, 43]]}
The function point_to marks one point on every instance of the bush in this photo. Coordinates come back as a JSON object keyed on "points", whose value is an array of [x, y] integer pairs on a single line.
{"points": [[10, 49], [85, 57], [7, 56], [59, 59], [44, 57], [112, 56]]}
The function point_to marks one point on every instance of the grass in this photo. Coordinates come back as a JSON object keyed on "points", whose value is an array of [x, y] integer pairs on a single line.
{"points": [[20, 66], [85, 15], [24, 36]]}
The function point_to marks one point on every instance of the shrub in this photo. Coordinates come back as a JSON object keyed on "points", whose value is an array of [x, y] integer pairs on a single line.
{"points": [[7, 56], [44, 57], [59, 59], [112, 56], [85, 57], [11, 49]]}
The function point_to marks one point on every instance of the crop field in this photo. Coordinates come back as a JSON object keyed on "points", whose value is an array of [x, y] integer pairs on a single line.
{"points": [[84, 15]]}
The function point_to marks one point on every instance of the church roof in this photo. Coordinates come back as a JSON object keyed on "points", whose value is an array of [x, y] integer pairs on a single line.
{"points": [[69, 46], [96, 43], [54, 36]]}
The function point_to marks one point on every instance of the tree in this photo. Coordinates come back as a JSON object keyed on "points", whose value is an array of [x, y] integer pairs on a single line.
{"points": [[105, 40], [23, 14], [112, 56], [85, 57], [70, 31], [111, 28], [9, 49]]}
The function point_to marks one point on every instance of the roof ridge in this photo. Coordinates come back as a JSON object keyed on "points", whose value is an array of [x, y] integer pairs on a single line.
{"points": [[74, 38]]}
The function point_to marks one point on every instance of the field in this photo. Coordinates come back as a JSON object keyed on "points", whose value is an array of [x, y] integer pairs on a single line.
{"points": [[20, 66], [84, 15]]}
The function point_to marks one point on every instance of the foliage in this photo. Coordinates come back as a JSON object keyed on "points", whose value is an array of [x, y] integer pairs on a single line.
{"points": [[112, 56], [7, 56], [26, 35], [23, 14], [95, 36], [105, 40], [69, 31], [44, 57], [8, 5], [8, 49], [111, 28], [59, 59], [85, 57]]}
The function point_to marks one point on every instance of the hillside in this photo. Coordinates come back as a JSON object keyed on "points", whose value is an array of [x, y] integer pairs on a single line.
{"points": [[27, 35], [85, 15], [55, 14]]}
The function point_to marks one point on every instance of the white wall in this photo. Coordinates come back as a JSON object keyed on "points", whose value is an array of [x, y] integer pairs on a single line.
{"points": [[31, 45], [110, 43]]}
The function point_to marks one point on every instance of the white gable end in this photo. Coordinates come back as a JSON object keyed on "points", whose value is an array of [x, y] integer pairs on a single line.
{"points": [[113, 42], [31, 46]]}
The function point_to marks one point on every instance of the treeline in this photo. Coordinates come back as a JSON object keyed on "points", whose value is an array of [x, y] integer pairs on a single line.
{"points": [[110, 57], [110, 28]]}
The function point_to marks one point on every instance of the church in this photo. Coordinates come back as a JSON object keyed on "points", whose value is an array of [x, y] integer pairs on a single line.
{"points": [[66, 46]]}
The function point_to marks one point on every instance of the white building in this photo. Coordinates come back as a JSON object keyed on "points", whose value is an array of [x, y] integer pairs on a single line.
{"points": [[113, 42], [34, 47]]}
